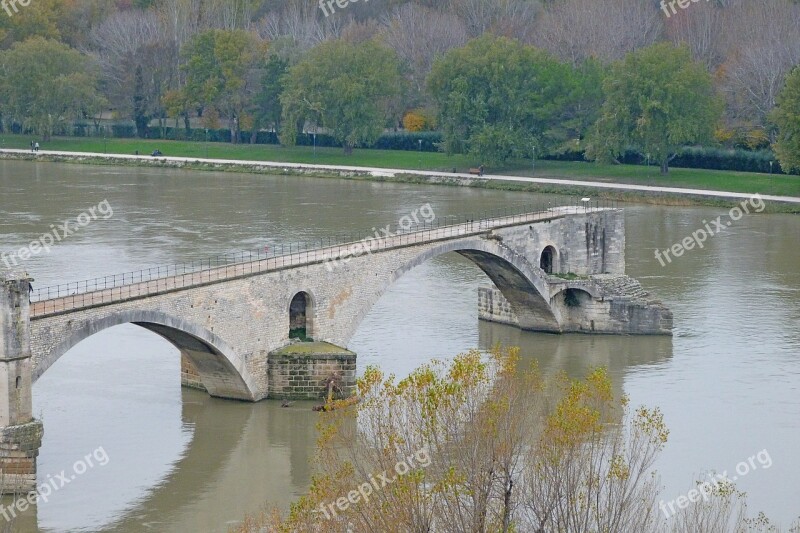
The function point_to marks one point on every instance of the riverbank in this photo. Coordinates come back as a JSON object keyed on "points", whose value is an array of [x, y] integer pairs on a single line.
{"points": [[657, 194]]}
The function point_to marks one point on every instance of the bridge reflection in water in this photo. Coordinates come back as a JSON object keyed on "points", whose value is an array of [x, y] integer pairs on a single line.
{"points": [[238, 313], [242, 456]]}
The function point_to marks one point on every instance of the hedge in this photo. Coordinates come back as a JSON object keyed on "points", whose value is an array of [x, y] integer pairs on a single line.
{"points": [[716, 159], [410, 141], [689, 157], [389, 141]]}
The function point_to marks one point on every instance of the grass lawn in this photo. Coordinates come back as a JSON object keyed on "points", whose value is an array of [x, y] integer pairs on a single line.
{"points": [[309, 348], [744, 182]]}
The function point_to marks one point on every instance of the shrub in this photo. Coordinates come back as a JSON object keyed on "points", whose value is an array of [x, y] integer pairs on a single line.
{"points": [[123, 130], [414, 121], [418, 120]]}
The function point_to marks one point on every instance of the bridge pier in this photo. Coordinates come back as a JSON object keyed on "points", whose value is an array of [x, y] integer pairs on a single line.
{"points": [[619, 307], [20, 433], [190, 376], [310, 371], [298, 371]]}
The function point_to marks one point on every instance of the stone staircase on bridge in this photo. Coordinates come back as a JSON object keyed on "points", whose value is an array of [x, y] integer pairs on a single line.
{"points": [[619, 305]]}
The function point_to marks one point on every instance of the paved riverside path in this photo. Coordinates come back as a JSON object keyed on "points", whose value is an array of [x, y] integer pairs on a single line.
{"points": [[391, 172]]}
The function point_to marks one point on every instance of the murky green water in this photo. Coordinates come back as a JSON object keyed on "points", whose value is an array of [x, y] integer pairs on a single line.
{"points": [[728, 381]]}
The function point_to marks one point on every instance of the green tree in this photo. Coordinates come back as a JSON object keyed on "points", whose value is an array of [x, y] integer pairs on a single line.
{"points": [[268, 110], [787, 117], [582, 108], [657, 100], [140, 116], [39, 20], [349, 89], [45, 84], [498, 99], [223, 71], [68, 21], [177, 106]]}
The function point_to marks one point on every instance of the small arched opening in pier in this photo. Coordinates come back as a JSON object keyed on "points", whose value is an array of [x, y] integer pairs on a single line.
{"points": [[548, 259], [300, 313]]}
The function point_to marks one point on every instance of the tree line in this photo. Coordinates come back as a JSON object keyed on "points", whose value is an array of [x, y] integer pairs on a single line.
{"points": [[499, 78]]}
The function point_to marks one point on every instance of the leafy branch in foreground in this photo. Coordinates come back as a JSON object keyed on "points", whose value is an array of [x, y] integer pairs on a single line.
{"points": [[480, 445]]}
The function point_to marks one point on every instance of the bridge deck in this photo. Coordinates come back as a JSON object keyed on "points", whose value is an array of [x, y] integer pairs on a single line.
{"points": [[84, 297]]}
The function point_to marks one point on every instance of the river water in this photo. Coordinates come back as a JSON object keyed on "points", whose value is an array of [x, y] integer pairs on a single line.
{"points": [[728, 382]]}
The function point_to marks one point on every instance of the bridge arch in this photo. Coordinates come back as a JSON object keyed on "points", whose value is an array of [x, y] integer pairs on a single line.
{"points": [[222, 370], [570, 306], [523, 285]]}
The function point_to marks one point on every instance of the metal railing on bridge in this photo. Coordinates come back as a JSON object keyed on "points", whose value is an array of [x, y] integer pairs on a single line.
{"points": [[92, 291]]}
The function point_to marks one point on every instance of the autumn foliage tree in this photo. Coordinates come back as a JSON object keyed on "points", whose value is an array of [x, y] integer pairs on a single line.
{"points": [[483, 444], [483, 447], [223, 71]]}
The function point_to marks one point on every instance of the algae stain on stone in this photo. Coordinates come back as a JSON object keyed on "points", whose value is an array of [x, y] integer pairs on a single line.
{"points": [[338, 300]]}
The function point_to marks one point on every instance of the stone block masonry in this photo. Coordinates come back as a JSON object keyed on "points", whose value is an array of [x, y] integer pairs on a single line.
{"points": [[493, 307], [19, 447], [190, 376], [617, 305], [20, 433], [233, 323], [303, 371], [226, 322]]}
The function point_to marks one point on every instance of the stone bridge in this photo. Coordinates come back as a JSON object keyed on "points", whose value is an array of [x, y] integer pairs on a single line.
{"points": [[244, 324]]}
